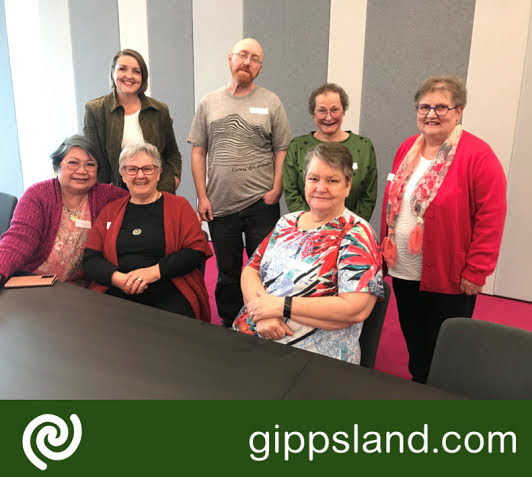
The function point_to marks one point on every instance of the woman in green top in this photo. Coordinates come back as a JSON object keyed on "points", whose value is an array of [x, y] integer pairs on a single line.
{"points": [[327, 105]]}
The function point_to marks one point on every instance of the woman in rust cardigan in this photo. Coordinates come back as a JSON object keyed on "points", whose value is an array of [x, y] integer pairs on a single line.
{"points": [[148, 247]]}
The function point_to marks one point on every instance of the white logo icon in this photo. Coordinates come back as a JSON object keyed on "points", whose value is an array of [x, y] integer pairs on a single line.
{"points": [[50, 432]]}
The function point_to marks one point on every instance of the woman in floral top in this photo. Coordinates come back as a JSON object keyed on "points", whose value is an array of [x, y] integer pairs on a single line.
{"points": [[316, 277]]}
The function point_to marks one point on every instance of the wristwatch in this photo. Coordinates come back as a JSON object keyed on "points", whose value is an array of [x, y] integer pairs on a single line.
{"points": [[287, 310]]}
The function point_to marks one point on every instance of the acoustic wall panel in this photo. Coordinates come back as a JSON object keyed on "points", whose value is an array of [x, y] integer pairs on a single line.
{"points": [[295, 39], [95, 37], [171, 55], [406, 41], [217, 26]]}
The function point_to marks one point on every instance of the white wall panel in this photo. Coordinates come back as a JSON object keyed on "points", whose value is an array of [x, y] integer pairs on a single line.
{"points": [[515, 262], [495, 74], [346, 54], [43, 83], [134, 28]]}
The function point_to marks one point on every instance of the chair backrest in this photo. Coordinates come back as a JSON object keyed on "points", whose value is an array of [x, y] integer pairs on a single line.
{"points": [[7, 206], [371, 331], [482, 360]]}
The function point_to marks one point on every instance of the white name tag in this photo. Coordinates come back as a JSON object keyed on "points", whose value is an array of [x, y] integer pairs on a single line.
{"points": [[108, 225], [390, 177], [355, 166], [258, 110], [83, 224]]}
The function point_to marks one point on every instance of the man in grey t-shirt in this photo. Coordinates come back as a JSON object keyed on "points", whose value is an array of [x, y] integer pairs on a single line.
{"points": [[239, 134]]}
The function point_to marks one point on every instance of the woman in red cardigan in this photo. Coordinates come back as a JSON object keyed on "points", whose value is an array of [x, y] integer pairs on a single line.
{"points": [[148, 247], [443, 218]]}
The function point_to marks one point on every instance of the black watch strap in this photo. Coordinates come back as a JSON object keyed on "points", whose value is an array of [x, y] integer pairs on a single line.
{"points": [[287, 310]]}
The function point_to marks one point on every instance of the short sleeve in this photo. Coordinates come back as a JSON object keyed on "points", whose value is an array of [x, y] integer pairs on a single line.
{"points": [[360, 262], [281, 136], [198, 134]]}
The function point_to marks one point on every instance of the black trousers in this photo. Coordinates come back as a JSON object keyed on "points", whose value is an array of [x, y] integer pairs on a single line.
{"points": [[255, 222], [421, 315]]}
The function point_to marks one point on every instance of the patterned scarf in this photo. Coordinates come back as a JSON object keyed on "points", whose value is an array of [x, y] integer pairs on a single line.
{"points": [[424, 193]]}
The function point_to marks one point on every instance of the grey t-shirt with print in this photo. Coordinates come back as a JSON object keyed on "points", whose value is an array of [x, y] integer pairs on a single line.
{"points": [[241, 135]]}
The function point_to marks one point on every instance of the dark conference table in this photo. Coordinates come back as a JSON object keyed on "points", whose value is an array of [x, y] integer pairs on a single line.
{"points": [[65, 342]]}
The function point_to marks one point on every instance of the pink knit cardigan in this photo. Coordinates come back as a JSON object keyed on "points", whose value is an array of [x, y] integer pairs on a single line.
{"points": [[29, 240]]}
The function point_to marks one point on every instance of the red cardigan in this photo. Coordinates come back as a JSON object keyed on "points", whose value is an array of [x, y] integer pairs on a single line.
{"points": [[464, 223], [181, 230]]}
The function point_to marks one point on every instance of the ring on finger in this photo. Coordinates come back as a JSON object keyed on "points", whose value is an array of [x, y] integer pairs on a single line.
{"points": [[139, 279]]}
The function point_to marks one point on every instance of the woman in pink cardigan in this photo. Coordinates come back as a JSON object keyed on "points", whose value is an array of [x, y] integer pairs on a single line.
{"points": [[53, 218], [443, 218]]}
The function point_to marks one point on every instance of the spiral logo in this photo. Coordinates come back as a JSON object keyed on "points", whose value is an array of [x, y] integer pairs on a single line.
{"points": [[49, 433]]}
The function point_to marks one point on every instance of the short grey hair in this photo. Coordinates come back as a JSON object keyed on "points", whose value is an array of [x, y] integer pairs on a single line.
{"points": [[452, 84], [335, 155], [135, 148]]}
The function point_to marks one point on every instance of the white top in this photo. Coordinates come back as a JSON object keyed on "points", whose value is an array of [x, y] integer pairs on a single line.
{"points": [[408, 266], [132, 131]]}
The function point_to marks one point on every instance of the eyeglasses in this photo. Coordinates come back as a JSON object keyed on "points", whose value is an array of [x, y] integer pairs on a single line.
{"points": [[439, 109], [134, 170], [73, 165], [253, 58], [322, 113]]}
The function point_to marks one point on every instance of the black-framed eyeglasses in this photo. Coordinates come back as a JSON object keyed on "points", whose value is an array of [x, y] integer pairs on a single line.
{"points": [[439, 109], [134, 170], [244, 56]]}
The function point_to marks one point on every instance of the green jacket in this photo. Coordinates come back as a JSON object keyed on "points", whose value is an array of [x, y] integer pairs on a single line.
{"points": [[104, 126], [363, 193]]}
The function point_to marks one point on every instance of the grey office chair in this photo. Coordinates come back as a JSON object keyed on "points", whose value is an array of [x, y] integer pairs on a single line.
{"points": [[371, 331], [482, 360], [7, 206]]}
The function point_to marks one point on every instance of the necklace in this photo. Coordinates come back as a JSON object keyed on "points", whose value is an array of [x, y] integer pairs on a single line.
{"points": [[75, 214]]}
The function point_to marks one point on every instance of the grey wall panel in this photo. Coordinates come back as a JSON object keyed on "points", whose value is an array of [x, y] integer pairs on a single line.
{"points": [[95, 33], [11, 177], [295, 38], [515, 261], [172, 73], [406, 41]]}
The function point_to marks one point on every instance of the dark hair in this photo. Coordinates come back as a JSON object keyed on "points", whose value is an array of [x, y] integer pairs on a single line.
{"points": [[333, 154], [142, 64], [452, 84], [328, 88], [73, 141]]}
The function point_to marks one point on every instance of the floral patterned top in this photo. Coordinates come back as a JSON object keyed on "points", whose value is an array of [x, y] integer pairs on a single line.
{"points": [[339, 257], [65, 258]]}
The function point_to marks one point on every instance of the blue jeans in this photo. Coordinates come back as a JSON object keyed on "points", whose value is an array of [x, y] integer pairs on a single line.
{"points": [[255, 222]]}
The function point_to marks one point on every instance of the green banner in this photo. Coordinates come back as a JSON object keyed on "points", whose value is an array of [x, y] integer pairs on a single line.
{"points": [[152, 438]]}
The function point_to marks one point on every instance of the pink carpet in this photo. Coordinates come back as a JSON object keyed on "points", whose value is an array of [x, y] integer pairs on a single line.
{"points": [[392, 356]]}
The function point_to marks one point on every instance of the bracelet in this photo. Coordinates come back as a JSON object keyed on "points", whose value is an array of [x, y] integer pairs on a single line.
{"points": [[287, 310]]}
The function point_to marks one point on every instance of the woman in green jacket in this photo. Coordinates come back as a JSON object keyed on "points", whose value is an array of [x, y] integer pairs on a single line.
{"points": [[127, 115], [327, 105]]}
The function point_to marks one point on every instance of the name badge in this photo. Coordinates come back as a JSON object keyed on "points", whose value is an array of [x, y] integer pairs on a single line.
{"points": [[108, 225], [83, 224], [355, 166], [390, 177], [258, 110]]}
